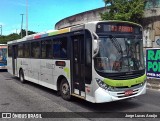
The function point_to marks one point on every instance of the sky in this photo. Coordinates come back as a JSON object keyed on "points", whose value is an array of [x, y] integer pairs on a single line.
{"points": [[42, 14]]}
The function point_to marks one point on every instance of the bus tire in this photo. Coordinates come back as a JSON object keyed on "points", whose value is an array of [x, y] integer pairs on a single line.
{"points": [[65, 90], [21, 76]]}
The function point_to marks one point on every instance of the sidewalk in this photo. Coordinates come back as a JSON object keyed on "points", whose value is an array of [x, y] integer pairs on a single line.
{"points": [[153, 84]]}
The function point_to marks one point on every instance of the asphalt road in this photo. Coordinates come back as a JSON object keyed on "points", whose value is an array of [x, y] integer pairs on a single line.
{"points": [[30, 97]]}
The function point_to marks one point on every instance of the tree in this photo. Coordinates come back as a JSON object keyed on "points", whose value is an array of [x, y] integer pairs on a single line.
{"points": [[24, 33], [14, 36], [5, 39], [127, 10]]}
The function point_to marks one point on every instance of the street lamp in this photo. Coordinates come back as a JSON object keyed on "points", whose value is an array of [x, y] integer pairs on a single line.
{"points": [[21, 25], [26, 17]]}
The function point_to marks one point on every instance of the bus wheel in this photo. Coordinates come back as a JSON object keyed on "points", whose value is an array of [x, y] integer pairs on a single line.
{"points": [[65, 90], [21, 76]]}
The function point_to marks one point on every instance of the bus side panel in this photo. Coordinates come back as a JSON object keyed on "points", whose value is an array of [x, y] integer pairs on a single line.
{"points": [[9, 65], [46, 73], [60, 70], [34, 74], [23, 63]]}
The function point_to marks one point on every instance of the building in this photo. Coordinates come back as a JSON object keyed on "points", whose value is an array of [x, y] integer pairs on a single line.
{"points": [[92, 15], [151, 22]]}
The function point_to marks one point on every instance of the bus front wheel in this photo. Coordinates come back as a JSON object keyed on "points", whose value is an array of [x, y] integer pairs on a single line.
{"points": [[65, 90], [21, 76]]}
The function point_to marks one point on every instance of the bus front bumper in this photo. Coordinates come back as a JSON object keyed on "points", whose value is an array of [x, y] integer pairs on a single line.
{"points": [[102, 96]]}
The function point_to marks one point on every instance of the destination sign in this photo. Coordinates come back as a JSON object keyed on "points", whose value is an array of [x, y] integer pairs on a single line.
{"points": [[114, 28], [118, 28]]}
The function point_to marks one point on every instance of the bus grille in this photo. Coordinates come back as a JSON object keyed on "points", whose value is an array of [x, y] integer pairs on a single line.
{"points": [[122, 93], [126, 76], [119, 92]]}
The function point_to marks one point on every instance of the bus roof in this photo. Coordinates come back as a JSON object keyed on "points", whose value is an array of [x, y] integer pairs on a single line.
{"points": [[61, 31], [41, 35]]}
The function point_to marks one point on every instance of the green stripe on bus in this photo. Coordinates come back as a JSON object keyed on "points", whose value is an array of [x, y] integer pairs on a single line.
{"points": [[53, 33], [67, 71], [121, 83]]}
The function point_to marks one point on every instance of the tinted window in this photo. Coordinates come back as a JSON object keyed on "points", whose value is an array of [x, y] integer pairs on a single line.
{"points": [[20, 50], [9, 51], [27, 50], [35, 49], [46, 49], [60, 48]]}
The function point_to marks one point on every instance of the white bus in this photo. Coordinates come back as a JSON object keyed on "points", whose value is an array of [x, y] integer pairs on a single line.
{"points": [[3, 56], [100, 61]]}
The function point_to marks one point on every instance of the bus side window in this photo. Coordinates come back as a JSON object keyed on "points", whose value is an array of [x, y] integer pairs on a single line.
{"points": [[49, 49], [63, 48], [26, 50], [46, 51], [43, 49], [56, 48], [10, 51], [60, 48], [20, 50], [35, 49]]}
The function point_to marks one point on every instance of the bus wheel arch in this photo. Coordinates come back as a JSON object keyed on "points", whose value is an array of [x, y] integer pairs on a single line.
{"points": [[63, 88], [21, 75]]}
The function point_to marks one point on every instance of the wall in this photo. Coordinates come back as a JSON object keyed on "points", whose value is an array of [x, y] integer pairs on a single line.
{"points": [[92, 15], [152, 23]]}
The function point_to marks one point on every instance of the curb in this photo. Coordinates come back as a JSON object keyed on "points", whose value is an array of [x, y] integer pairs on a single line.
{"points": [[153, 86]]}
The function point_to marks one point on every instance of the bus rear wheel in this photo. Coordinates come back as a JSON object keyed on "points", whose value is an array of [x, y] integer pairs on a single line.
{"points": [[65, 90], [21, 76]]}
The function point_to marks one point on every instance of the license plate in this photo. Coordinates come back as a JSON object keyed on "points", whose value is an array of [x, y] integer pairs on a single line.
{"points": [[128, 92]]}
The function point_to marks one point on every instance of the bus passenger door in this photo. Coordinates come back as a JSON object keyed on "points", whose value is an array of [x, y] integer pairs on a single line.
{"points": [[78, 60], [14, 59]]}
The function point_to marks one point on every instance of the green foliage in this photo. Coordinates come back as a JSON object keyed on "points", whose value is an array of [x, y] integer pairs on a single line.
{"points": [[5, 39], [24, 33], [13, 36], [127, 10]]}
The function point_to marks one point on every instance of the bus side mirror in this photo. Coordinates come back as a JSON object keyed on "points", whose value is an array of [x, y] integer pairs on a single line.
{"points": [[95, 47], [95, 44]]}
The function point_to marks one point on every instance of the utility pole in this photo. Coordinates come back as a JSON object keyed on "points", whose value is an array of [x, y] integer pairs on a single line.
{"points": [[21, 25], [26, 17], [1, 29]]}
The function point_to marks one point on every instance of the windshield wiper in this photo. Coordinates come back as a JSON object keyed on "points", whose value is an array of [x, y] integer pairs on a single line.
{"points": [[116, 44]]}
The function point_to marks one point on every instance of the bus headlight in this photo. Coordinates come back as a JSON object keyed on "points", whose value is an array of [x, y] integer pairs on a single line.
{"points": [[102, 84]]}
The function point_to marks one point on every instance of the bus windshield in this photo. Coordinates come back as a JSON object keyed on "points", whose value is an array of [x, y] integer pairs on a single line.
{"points": [[119, 54], [3, 55]]}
